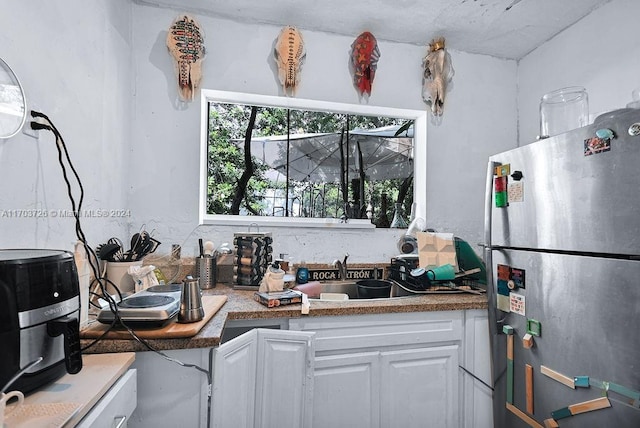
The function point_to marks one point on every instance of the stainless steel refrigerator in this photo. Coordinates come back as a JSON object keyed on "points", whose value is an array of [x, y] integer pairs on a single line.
{"points": [[562, 251]]}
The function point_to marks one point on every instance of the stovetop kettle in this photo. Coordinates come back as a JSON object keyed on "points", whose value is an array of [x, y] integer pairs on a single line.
{"points": [[191, 309]]}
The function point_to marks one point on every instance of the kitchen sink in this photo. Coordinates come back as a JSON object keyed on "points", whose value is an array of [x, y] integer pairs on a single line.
{"points": [[333, 289], [341, 287]]}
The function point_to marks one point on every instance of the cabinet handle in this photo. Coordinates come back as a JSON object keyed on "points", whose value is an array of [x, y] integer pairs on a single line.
{"points": [[119, 421]]}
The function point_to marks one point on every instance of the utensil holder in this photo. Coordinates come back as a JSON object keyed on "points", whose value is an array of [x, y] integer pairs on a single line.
{"points": [[206, 270], [118, 275]]}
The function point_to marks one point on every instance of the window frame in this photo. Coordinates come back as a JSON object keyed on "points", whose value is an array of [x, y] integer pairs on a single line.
{"points": [[419, 141]]}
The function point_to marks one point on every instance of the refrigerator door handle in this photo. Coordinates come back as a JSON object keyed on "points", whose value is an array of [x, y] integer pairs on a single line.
{"points": [[488, 261], [488, 203]]}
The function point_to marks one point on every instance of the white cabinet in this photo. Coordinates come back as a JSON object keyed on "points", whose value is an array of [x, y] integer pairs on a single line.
{"points": [[420, 387], [263, 378], [372, 371], [477, 401], [386, 370], [116, 406], [346, 389], [170, 394], [394, 388]]}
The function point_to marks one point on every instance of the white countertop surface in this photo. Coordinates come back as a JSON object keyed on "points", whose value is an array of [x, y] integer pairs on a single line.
{"points": [[74, 395]]}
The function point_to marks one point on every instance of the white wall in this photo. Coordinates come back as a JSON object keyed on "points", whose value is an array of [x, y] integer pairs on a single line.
{"points": [[110, 88], [73, 59], [600, 52], [480, 119]]}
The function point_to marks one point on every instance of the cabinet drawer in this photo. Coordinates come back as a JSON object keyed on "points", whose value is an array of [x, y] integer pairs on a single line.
{"points": [[364, 331], [115, 407]]}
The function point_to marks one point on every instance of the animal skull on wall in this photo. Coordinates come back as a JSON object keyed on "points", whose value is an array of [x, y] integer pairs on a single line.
{"points": [[438, 72], [186, 45], [289, 54]]}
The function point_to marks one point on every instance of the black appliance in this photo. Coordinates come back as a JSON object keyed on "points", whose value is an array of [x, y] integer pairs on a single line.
{"points": [[39, 316]]}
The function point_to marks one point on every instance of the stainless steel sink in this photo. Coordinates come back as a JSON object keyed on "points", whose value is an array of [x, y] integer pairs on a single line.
{"points": [[344, 287], [350, 288]]}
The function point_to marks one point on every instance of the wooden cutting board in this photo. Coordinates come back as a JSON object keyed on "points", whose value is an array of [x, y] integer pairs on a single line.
{"points": [[174, 329]]}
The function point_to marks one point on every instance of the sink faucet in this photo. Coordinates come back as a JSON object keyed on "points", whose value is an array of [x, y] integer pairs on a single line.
{"points": [[342, 267]]}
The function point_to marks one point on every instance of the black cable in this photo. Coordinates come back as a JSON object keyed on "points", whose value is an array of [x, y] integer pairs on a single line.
{"points": [[62, 147], [476, 378]]}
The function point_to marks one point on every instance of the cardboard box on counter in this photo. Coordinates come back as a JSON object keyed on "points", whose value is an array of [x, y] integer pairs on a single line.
{"points": [[281, 298]]}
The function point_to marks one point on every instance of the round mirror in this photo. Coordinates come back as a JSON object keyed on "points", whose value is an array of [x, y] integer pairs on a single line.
{"points": [[13, 112]]}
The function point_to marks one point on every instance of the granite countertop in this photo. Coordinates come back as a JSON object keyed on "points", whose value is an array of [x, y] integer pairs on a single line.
{"points": [[241, 306]]}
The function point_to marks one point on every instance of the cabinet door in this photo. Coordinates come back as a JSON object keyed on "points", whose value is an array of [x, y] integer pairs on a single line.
{"points": [[478, 399], [284, 378], [170, 395], [420, 387], [346, 390], [234, 382], [263, 378]]}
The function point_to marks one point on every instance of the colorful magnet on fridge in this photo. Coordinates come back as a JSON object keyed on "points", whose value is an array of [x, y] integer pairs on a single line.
{"points": [[504, 272], [534, 327], [503, 170], [500, 189], [605, 134], [551, 423], [501, 200], [561, 413], [517, 276], [503, 287], [596, 145], [581, 381], [527, 341], [623, 390], [578, 408]]}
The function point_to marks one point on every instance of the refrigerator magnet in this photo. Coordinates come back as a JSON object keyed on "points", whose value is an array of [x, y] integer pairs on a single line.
{"points": [[517, 303], [515, 192], [503, 287], [596, 145], [517, 276], [502, 303], [634, 129], [502, 170], [534, 327]]}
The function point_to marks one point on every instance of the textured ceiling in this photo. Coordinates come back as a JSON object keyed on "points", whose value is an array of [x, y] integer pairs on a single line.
{"points": [[502, 28]]}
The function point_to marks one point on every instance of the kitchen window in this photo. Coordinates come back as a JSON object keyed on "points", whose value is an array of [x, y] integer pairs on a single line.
{"points": [[333, 161]]}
